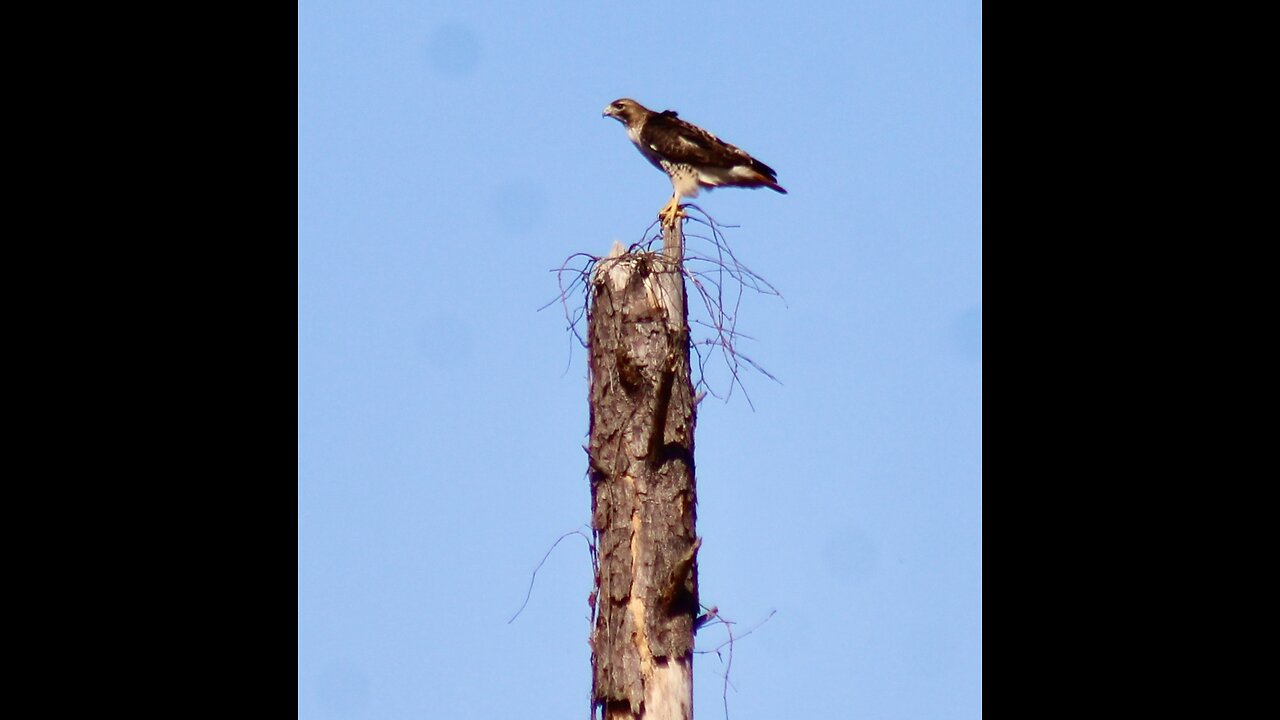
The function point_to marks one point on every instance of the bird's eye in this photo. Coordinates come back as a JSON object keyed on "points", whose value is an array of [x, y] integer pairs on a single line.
{"points": [[617, 106]]}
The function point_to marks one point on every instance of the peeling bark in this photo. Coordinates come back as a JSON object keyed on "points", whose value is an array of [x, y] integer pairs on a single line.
{"points": [[642, 486]]}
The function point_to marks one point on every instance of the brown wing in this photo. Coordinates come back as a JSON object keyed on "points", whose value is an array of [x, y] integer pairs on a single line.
{"points": [[682, 142]]}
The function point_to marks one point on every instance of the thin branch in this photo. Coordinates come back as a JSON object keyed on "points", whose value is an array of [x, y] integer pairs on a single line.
{"points": [[720, 281], [713, 618], [591, 546]]}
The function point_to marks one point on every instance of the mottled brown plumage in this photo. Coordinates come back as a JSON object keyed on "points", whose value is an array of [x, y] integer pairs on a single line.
{"points": [[692, 157]]}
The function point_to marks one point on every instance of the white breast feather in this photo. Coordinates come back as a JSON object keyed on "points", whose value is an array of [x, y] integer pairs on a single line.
{"points": [[714, 176], [684, 179]]}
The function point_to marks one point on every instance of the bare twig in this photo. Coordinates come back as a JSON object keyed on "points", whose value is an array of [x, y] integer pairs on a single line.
{"points": [[590, 546], [713, 618], [718, 277]]}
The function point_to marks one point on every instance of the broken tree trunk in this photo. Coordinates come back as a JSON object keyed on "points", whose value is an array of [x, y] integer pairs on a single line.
{"points": [[643, 495]]}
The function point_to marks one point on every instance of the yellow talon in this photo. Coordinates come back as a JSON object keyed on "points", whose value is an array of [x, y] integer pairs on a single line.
{"points": [[671, 211]]}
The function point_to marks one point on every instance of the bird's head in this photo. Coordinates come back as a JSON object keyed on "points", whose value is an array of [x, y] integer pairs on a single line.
{"points": [[625, 111]]}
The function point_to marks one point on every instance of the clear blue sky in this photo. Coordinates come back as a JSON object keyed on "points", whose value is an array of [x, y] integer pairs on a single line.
{"points": [[449, 155]]}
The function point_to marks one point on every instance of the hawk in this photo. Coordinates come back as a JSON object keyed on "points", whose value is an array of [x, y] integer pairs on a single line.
{"points": [[691, 156]]}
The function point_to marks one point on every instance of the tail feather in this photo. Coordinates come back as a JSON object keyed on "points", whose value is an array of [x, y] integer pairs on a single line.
{"points": [[768, 181], [767, 176]]}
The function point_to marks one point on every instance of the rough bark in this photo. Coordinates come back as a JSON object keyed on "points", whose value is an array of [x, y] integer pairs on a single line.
{"points": [[642, 486]]}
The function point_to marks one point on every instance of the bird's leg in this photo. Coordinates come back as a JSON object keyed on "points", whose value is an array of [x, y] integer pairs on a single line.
{"points": [[671, 211]]}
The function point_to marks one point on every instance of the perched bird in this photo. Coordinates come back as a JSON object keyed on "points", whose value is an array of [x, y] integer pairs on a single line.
{"points": [[691, 156]]}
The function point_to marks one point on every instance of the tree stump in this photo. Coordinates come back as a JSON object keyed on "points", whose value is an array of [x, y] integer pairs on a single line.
{"points": [[643, 494]]}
